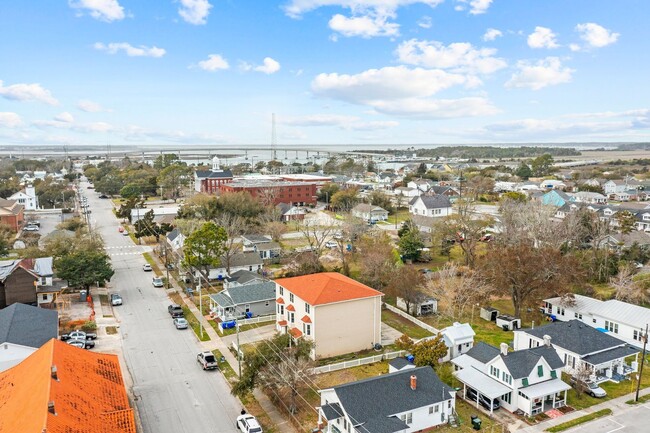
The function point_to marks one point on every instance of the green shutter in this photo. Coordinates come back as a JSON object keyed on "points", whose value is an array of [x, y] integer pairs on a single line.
{"points": [[553, 374], [540, 370], [524, 381]]}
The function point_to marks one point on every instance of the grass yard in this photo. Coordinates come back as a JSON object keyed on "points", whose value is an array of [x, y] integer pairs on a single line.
{"points": [[111, 330], [190, 317], [403, 325], [243, 328], [103, 300], [152, 262]]}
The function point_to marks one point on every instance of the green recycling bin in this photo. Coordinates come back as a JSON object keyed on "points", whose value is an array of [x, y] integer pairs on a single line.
{"points": [[476, 422]]}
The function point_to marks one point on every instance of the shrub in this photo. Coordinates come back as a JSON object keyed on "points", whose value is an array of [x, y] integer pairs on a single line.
{"points": [[89, 326]]}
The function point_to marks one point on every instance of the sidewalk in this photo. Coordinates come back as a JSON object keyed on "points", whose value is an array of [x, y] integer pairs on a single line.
{"points": [[217, 343], [617, 405]]}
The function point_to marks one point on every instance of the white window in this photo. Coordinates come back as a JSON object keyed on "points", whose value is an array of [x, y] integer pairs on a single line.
{"points": [[408, 418], [611, 326]]}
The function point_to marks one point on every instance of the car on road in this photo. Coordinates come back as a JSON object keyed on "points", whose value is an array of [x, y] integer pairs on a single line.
{"points": [[330, 244], [483, 400], [207, 360], [116, 299], [90, 187], [79, 335], [248, 424], [181, 323], [175, 310], [81, 344], [147, 267], [31, 228], [157, 282], [589, 388], [34, 223], [125, 233], [103, 196]]}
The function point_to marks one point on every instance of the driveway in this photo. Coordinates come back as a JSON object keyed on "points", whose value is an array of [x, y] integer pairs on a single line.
{"points": [[172, 394], [254, 335], [389, 334]]}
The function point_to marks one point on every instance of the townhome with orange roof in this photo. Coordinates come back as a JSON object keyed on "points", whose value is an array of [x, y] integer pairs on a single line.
{"points": [[64, 389], [338, 313]]}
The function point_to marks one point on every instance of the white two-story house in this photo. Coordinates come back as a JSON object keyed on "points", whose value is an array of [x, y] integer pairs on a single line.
{"points": [[340, 315], [430, 206], [583, 350], [620, 319], [528, 380], [405, 401], [27, 198]]}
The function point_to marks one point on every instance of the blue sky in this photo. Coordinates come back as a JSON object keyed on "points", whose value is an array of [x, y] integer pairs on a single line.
{"points": [[174, 72]]}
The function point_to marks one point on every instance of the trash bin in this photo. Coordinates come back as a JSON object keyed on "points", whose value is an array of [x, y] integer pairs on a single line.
{"points": [[476, 422], [83, 294]]}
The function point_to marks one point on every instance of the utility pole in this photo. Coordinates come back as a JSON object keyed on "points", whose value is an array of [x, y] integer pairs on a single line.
{"points": [[198, 289], [238, 348], [645, 343]]}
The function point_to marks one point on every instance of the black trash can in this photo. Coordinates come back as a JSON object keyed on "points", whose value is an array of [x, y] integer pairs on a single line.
{"points": [[476, 422]]}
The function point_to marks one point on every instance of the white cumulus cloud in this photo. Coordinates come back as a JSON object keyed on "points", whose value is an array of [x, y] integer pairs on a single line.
{"points": [[90, 106], [425, 22], [491, 34], [194, 11], [476, 7], [363, 26], [10, 120], [214, 62], [543, 73], [27, 92], [542, 37], [595, 35], [103, 10], [130, 50], [64, 117], [296, 8], [458, 56], [269, 66]]}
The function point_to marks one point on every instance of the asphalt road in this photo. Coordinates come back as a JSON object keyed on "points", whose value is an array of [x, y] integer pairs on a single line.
{"points": [[173, 393], [635, 420]]}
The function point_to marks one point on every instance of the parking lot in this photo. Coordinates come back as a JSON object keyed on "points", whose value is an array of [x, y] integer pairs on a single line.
{"points": [[48, 222], [634, 420]]}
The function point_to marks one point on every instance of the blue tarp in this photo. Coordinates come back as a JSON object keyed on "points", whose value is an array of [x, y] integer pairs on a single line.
{"points": [[602, 329]]}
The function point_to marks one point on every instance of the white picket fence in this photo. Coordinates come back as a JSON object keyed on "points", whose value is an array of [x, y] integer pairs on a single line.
{"points": [[357, 362], [407, 316], [257, 319]]}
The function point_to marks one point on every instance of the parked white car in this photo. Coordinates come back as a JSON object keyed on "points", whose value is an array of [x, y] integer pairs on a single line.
{"points": [[248, 424]]}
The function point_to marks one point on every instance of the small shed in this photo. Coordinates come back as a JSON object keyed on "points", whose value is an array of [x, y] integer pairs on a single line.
{"points": [[508, 323], [422, 307], [490, 314]]}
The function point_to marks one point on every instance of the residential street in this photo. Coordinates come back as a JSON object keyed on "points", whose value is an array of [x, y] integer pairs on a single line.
{"points": [[173, 394]]}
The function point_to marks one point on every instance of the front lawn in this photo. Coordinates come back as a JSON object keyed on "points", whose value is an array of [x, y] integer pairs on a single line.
{"points": [[404, 325], [578, 421], [243, 328]]}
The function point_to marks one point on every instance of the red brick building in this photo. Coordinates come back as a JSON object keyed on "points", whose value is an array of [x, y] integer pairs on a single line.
{"points": [[209, 181], [275, 192], [12, 214]]}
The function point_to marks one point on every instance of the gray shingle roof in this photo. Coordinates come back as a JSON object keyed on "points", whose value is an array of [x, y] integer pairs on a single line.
{"points": [[28, 326], [243, 276], [521, 362], [483, 352], [372, 401], [247, 294], [436, 201], [398, 363], [610, 355], [576, 337], [256, 239], [203, 174], [173, 234], [332, 411], [244, 259]]}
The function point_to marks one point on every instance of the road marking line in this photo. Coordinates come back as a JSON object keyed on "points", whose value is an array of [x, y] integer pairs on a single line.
{"points": [[621, 426]]}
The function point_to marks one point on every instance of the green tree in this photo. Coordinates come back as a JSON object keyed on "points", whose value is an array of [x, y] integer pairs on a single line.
{"points": [[430, 351], [172, 178], [165, 160], [204, 248], [127, 206], [146, 226], [626, 221], [4, 247], [542, 165], [422, 169], [410, 245], [131, 190], [523, 171], [514, 196], [109, 184], [327, 191], [345, 199], [84, 267], [379, 198]]}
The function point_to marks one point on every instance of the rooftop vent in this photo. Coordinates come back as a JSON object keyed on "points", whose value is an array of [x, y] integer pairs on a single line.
{"points": [[50, 408], [54, 374]]}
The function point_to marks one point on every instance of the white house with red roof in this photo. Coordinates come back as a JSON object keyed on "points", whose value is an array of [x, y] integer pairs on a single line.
{"points": [[338, 313]]}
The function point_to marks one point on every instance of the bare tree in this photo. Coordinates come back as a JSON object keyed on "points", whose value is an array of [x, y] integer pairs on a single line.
{"points": [[288, 378], [234, 226], [351, 230], [458, 288], [467, 228], [627, 289], [267, 196], [378, 260], [407, 283], [276, 229], [316, 235]]}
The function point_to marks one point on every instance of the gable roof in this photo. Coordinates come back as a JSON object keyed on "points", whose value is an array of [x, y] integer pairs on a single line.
{"points": [[28, 326], [88, 393], [435, 201], [575, 336], [10, 207], [483, 352], [457, 331], [372, 402], [247, 294], [256, 239], [326, 288], [520, 363], [243, 259], [365, 207], [243, 276], [204, 174]]}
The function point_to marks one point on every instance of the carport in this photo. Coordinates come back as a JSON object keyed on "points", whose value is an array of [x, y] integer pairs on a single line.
{"points": [[482, 383]]}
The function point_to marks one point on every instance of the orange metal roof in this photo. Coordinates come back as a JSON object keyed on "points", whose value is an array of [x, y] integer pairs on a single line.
{"points": [[88, 395], [282, 323], [295, 332], [326, 288], [279, 301], [306, 319], [291, 308]]}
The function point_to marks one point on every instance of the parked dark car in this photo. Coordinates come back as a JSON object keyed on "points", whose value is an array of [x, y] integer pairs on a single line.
{"points": [[483, 400], [82, 344], [175, 310]]}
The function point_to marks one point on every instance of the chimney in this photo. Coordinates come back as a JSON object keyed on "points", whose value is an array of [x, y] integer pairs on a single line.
{"points": [[50, 408], [53, 373], [504, 349], [547, 340], [414, 382]]}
